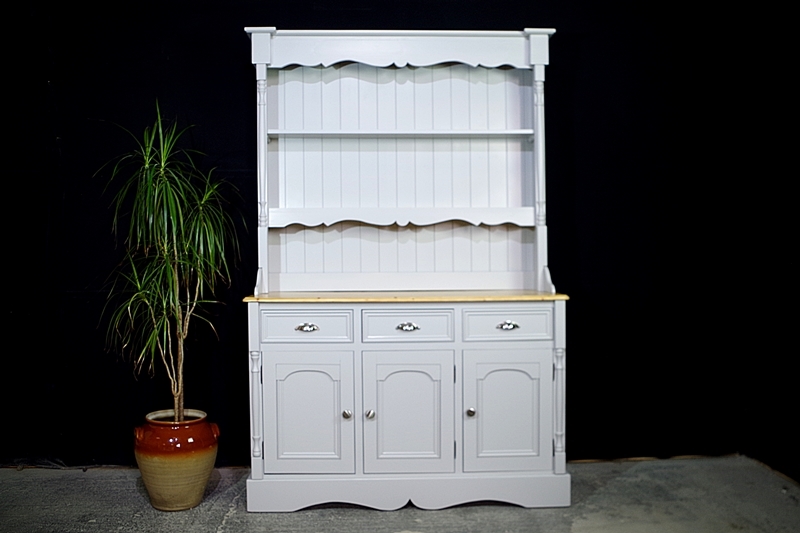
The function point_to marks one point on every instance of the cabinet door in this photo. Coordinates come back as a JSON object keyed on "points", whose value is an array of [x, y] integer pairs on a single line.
{"points": [[507, 411], [309, 412], [408, 411]]}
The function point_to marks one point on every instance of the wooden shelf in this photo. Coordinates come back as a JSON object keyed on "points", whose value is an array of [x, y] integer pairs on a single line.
{"points": [[519, 216], [278, 133], [408, 296]]}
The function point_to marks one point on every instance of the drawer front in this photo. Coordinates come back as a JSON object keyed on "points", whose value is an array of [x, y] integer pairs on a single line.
{"points": [[413, 325], [307, 326], [508, 324]]}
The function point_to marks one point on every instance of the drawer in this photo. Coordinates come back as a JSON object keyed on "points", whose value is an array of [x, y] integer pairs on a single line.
{"points": [[412, 325], [307, 326], [508, 324]]}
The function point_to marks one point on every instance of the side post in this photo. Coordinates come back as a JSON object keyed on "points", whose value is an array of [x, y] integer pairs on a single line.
{"points": [[560, 389], [256, 395]]}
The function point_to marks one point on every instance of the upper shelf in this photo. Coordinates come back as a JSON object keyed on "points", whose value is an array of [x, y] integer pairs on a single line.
{"points": [[274, 133], [282, 48], [519, 216]]}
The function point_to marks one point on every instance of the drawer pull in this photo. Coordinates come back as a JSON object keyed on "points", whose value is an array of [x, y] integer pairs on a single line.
{"points": [[471, 411], [307, 327], [407, 326], [370, 414], [507, 325], [347, 414]]}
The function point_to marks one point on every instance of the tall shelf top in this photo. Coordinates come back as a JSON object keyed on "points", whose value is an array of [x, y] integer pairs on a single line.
{"points": [[401, 160]]}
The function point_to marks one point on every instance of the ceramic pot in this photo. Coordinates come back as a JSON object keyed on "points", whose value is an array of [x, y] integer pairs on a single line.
{"points": [[176, 458]]}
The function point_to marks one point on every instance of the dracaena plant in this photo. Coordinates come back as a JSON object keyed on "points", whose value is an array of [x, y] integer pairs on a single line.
{"points": [[177, 238]]}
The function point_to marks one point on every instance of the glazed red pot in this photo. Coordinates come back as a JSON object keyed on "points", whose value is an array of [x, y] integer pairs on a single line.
{"points": [[176, 458]]}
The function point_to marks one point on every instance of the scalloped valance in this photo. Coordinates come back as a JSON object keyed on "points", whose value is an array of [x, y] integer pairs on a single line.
{"points": [[491, 49]]}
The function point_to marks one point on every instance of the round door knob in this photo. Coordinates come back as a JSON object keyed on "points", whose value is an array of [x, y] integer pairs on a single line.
{"points": [[347, 413], [370, 414], [471, 411]]}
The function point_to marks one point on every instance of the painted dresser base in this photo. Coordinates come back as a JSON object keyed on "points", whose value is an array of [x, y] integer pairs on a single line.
{"points": [[387, 493], [488, 400]]}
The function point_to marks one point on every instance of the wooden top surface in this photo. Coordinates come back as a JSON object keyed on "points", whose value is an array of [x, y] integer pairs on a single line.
{"points": [[407, 296]]}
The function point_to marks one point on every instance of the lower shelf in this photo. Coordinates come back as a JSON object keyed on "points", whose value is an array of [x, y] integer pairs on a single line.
{"points": [[280, 493]]}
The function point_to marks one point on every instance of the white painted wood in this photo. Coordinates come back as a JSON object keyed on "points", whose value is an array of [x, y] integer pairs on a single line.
{"points": [[399, 281], [408, 406], [410, 258], [333, 107], [539, 168], [351, 250], [417, 391], [519, 216], [407, 297], [560, 390], [390, 492], [370, 249], [487, 164], [305, 326], [306, 396], [408, 325], [444, 234], [506, 427], [425, 176], [540, 269], [400, 48], [263, 180], [356, 137], [256, 391], [508, 323]]}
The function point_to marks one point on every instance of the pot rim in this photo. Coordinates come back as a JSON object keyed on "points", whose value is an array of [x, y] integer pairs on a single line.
{"points": [[166, 417]]}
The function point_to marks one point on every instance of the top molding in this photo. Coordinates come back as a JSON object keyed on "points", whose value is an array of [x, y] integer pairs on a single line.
{"points": [[281, 48]]}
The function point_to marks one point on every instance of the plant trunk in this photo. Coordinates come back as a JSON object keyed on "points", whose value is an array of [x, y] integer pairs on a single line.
{"points": [[178, 391], [178, 403]]}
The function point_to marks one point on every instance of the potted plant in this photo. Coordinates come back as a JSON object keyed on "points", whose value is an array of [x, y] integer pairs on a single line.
{"points": [[177, 237]]}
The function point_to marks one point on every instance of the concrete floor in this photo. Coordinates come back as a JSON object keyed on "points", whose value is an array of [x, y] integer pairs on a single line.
{"points": [[701, 495]]}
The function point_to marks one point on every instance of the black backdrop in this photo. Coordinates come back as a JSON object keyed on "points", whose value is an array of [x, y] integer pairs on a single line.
{"points": [[676, 344]]}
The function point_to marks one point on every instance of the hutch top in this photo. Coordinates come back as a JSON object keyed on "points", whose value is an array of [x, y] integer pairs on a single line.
{"points": [[401, 160]]}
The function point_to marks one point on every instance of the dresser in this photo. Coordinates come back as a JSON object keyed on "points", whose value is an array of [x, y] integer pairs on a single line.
{"points": [[406, 341]]}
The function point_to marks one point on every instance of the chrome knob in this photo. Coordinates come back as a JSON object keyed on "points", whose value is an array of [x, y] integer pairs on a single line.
{"points": [[306, 327], [471, 411], [407, 326], [507, 325], [347, 413], [370, 414]]}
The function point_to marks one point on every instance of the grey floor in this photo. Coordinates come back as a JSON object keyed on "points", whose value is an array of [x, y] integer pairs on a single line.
{"points": [[700, 495]]}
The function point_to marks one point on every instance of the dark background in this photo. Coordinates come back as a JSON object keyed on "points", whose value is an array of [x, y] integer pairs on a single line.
{"points": [[662, 195]]}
